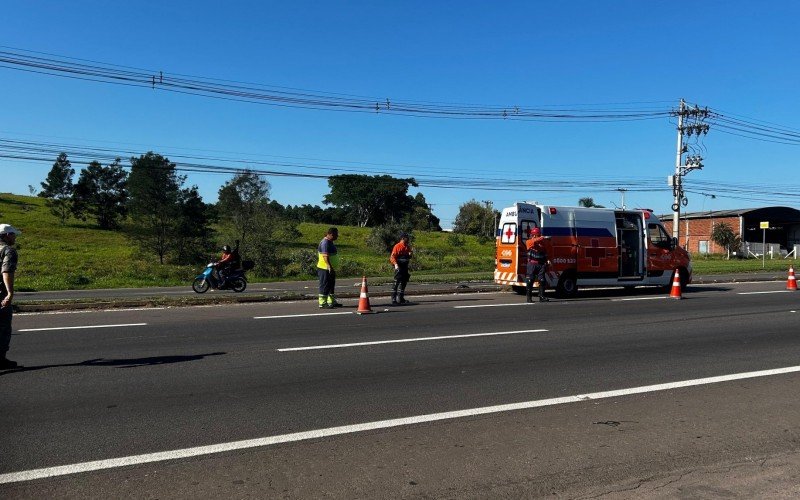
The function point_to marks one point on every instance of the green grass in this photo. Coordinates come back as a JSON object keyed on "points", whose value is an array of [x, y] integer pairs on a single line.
{"points": [[717, 264], [79, 256]]}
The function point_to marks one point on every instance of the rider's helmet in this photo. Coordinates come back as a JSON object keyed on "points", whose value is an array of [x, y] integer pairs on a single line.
{"points": [[226, 249], [536, 232]]}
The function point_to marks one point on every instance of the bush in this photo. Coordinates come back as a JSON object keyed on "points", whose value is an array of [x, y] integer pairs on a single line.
{"points": [[301, 263], [350, 268], [382, 238], [456, 240]]}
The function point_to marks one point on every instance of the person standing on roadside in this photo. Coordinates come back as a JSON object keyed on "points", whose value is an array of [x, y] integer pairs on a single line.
{"points": [[8, 266], [400, 258], [537, 262], [327, 264]]}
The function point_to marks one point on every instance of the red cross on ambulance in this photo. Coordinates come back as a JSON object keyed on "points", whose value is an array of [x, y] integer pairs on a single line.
{"points": [[595, 252], [509, 233]]}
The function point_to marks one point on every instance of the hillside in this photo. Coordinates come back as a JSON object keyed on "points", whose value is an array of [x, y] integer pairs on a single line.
{"points": [[80, 256]]}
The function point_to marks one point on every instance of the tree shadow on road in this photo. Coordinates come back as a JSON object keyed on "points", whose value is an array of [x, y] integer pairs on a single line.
{"points": [[120, 363]]}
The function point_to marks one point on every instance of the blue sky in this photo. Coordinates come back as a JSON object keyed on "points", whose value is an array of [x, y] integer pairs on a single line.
{"points": [[736, 57]]}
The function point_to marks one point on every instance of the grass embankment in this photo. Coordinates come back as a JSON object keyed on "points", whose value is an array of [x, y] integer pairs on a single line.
{"points": [[79, 256]]}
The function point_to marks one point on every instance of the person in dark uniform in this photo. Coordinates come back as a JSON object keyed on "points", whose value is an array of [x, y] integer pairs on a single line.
{"points": [[537, 263], [8, 266], [327, 263], [400, 259]]}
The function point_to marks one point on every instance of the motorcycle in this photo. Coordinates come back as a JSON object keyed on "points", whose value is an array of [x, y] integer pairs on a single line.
{"points": [[235, 281]]}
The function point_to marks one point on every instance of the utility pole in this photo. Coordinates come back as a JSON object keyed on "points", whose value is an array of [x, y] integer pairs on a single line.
{"points": [[690, 122], [622, 192], [489, 210]]}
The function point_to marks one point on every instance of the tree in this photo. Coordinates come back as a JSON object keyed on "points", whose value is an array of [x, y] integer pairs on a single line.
{"points": [[154, 190], [58, 188], [101, 193], [262, 227], [476, 219], [193, 236], [371, 200], [240, 201], [588, 203], [421, 216], [723, 235]]}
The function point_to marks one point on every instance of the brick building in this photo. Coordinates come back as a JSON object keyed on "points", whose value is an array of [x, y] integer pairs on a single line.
{"points": [[782, 236]]}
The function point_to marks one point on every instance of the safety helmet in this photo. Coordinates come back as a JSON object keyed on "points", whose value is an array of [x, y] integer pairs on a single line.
{"points": [[226, 248], [8, 229], [536, 232]]}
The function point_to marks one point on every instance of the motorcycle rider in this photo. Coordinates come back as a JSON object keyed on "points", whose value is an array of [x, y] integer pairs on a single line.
{"points": [[226, 264]]}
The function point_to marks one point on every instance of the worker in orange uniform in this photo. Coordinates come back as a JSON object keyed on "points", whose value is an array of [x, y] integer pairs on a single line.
{"points": [[537, 262], [400, 258]]}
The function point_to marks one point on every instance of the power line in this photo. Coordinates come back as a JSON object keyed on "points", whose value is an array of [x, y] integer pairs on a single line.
{"points": [[282, 96], [45, 152]]}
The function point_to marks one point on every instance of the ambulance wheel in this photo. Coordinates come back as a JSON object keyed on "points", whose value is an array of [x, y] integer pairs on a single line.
{"points": [[519, 290], [684, 279], [567, 286]]}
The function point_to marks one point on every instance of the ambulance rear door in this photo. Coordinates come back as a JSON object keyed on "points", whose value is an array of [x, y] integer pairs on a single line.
{"points": [[631, 245]]}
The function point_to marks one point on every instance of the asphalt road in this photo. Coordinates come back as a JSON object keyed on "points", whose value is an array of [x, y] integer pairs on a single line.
{"points": [[326, 416]]}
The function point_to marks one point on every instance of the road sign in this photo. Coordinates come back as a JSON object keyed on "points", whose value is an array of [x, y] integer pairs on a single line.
{"points": [[765, 225]]}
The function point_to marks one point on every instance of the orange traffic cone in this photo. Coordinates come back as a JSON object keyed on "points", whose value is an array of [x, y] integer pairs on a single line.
{"points": [[363, 301], [675, 293], [791, 284]]}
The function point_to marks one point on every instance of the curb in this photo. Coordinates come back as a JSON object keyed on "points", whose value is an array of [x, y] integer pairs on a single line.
{"points": [[201, 300]]}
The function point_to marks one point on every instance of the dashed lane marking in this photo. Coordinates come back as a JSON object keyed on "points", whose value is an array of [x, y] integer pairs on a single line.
{"points": [[769, 291], [302, 315], [79, 327], [398, 341], [494, 305], [641, 298]]}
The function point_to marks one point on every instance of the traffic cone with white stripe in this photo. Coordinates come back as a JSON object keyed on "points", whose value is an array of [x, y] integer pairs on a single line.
{"points": [[791, 284], [675, 293], [363, 301]]}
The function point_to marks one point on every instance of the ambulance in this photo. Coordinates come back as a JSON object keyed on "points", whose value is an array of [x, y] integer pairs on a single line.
{"points": [[589, 247]]}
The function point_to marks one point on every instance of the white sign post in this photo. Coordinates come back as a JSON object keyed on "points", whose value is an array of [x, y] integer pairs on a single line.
{"points": [[764, 227]]}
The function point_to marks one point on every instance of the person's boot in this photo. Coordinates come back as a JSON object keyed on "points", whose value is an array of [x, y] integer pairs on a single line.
{"points": [[323, 302], [400, 299], [542, 298], [394, 299], [7, 364], [528, 295], [332, 302]]}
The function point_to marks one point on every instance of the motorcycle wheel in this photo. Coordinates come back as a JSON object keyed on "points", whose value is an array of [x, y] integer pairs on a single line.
{"points": [[238, 285], [200, 285]]}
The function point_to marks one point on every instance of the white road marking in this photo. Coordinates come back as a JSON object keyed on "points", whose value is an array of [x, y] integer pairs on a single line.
{"points": [[770, 291], [85, 311], [302, 315], [494, 305], [398, 341], [33, 474], [641, 298], [79, 327]]}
